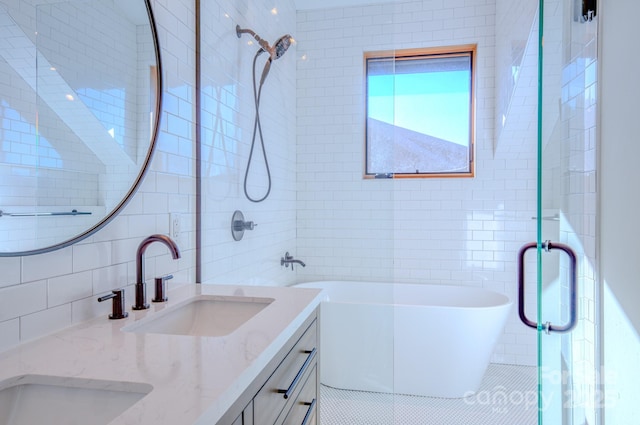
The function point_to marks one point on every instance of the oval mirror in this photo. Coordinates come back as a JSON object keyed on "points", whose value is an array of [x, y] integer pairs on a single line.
{"points": [[80, 94]]}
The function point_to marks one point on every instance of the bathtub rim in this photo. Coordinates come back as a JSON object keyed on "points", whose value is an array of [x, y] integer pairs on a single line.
{"points": [[504, 300]]}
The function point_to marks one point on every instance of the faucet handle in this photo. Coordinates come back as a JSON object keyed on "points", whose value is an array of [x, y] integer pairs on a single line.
{"points": [[284, 261], [161, 289], [240, 225], [117, 308]]}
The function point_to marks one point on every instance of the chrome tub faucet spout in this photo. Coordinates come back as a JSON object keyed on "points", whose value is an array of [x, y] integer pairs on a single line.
{"points": [[288, 259], [141, 290]]}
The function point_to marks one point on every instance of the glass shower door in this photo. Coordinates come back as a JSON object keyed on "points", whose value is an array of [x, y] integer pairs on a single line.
{"points": [[565, 255]]}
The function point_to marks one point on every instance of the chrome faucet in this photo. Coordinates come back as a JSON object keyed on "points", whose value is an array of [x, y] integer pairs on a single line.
{"points": [[141, 287], [288, 259]]}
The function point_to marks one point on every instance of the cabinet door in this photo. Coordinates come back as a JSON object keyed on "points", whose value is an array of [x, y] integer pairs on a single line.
{"points": [[246, 418], [247, 414]]}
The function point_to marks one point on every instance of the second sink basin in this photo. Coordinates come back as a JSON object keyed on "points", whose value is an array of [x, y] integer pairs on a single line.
{"points": [[53, 400], [206, 315]]}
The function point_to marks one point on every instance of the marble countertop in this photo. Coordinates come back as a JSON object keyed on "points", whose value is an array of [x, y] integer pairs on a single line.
{"points": [[195, 379]]}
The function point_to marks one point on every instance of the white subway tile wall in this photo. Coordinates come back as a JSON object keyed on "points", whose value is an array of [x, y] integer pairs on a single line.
{"points": [[228, 112], [449, 231], [578, 191], [43, 293], [516, 68]]}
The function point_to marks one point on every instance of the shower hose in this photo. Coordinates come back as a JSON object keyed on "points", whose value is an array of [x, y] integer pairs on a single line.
{"points": [[257, 130]]}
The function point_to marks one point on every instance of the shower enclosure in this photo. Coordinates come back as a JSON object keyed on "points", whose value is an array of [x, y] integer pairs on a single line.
{"points": [[534, 110]]}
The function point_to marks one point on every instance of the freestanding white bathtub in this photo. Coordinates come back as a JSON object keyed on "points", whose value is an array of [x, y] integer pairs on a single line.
{"points": [[427, 340]]}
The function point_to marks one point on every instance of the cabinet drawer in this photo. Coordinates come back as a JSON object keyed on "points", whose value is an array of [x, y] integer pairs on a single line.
{"points": [[290, 375], [303, 410]]}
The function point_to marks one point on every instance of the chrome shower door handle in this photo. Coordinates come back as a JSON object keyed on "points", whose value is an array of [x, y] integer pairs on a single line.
{"points": [[573, 316]]}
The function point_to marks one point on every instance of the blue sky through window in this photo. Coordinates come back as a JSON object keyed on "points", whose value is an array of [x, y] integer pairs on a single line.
{"points": [[432, 103]]}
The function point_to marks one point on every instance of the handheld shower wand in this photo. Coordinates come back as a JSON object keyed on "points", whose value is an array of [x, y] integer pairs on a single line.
{"points": [[275, 52]]}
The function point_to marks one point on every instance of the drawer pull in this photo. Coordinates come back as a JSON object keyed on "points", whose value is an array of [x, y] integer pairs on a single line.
{"points": [[287, 393], [312, 405]]}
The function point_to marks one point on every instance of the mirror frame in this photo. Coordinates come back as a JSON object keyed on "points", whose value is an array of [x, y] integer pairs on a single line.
{"points": [[144, 167]]}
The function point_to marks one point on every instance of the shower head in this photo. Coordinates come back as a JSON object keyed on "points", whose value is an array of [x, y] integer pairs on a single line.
{"points": [[275, 52], [281, 46]]}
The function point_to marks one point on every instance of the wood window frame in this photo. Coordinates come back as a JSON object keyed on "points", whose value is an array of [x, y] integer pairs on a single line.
{"points": [[468, 50]]}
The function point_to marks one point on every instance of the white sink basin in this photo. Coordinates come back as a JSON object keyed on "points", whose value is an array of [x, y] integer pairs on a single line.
{"points": [[206, 315], [51, 400]]}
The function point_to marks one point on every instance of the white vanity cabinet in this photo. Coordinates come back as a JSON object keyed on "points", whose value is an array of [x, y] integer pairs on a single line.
{"points": [[286, 391]]}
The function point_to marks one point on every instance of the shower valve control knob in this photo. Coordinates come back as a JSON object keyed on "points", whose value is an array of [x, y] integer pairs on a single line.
{"points": [[239, 225], [244, 225]]}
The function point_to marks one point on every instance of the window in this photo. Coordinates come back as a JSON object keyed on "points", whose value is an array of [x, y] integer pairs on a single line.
{"points": [[419, 113]]}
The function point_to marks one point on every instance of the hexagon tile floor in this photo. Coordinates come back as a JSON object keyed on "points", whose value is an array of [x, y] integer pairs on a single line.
{"points": [[507, 396]]}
